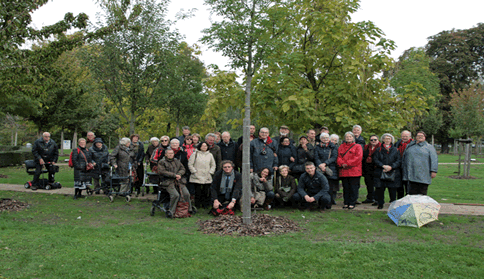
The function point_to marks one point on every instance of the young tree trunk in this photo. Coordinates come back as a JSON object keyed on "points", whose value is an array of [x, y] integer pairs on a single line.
{"points": [[246, 217], [458, 169], [455, 147], [132, 124], [74, 139], [433, 141], [62, 143], [466, 161]]}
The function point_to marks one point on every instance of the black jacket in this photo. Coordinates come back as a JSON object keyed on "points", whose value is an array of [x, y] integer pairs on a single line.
{"points": [[316, 186], [391, 158], [284, 154], [80, 158], [100, 156], [328, 155], [236, 189], [303, 156], [49, 151], [229, 151]]}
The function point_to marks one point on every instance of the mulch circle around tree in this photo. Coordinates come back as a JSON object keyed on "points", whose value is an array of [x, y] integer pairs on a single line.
{"points": [[462, 177], [262, 224], [12, 205]]}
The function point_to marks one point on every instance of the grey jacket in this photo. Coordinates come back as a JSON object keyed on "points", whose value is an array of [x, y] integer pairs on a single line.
{"points": [[262, 155], [419, 159]]}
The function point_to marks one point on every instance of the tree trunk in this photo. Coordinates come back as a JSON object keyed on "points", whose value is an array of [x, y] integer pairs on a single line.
{"points": [[246, 217], [458, 169], [455, 147], [74, 139], [466, 161], [433, 141], [62, 143]]}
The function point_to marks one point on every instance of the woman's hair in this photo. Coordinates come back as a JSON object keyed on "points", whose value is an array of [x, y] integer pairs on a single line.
{"points": [[124, 141], [165, 137], [259, 172], [196, 135], [154, 139], [79, 140], [174, 140], [134, 135], [188, 138], [334, 136], [283, 167], [351, 133], [323, 135], [387, 135], [199, 146], [281, 140]]}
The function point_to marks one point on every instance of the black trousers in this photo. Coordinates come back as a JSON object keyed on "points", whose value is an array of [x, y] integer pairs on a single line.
{"points": [[38, 171], [351, 187], [415, 188], [380, 194], [202, 195], [370, 187]]}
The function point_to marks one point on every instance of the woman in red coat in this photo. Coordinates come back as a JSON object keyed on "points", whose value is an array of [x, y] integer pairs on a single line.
{"points": [[350, 156]]}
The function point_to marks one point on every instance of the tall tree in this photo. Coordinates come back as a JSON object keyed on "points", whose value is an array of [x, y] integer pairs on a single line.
{"points": [[132, 63], [242, 36]]}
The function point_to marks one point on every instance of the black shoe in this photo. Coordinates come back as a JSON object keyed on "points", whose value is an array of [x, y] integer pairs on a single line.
{"points": [[333, 202], [75, 197], [380, 206], [368, 201], [374, 204], [169, 215]]}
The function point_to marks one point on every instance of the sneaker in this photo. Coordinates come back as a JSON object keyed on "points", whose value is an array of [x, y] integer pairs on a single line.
{"points": [[368, 201]]}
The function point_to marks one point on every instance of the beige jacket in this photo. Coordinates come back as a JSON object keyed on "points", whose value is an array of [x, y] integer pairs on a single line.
{"points": [[202, 166]]}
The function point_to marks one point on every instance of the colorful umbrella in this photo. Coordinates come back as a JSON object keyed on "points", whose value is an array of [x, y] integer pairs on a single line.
{"points": [[414, 211]]}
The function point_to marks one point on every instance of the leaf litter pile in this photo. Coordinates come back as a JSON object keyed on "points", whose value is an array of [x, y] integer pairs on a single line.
{"points": [[262, 224], [12, 205]]}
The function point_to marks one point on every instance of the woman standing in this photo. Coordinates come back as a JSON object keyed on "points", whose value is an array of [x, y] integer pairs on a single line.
{"points": [[350, 156], [188, 146], [196, 139], [325, 156], [139, 151], [120, 159], [100, 156], [286, 153], [82, 159], [387, 161], [202, 167], [369, 168]]}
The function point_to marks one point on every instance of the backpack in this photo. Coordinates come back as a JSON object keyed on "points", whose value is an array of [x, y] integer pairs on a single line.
{"points": [[71, 164]]}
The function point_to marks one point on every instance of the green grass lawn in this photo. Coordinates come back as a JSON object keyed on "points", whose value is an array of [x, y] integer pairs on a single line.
{"points": [[120, 240]]}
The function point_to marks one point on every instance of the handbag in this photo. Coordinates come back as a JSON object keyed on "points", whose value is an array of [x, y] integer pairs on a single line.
{"points": [[89, 166], [388, 176], [182, 206], [328, 171]]}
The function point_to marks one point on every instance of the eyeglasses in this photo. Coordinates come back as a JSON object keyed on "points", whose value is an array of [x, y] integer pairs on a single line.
{"points": [[374, 140], [189, 139], [164, 140]]}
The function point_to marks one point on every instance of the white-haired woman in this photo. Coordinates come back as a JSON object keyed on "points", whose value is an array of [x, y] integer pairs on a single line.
{"points": [[154, 144], [387, 161], [285, 186], [334, 138], [350, 156], [120, 159], [325, 156]]}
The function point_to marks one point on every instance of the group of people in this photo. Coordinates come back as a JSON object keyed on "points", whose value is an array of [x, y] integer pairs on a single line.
{"points": [[207, 172]]}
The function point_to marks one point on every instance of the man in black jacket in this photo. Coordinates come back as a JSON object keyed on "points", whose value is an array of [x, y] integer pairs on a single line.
{"points": [[228, 147], [313, 188], [226, 188], [46, 153]]}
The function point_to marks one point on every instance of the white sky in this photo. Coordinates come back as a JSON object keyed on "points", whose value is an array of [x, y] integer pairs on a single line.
{"points": [[409, 23]]}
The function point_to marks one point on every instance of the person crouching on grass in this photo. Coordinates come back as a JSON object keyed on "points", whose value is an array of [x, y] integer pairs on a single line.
{"points": [[226, 189]]}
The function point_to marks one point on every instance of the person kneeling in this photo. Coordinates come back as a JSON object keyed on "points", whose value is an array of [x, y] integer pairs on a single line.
{"points": [[313, 189], [226, 189]]}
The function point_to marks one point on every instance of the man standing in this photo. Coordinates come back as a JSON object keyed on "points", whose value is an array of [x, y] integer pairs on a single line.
{"points": [[228, 147], [263, 152], [401, 145], [185, 132], [90, 139], [313, 188], [420, 164], [45, 153], [252, 135], [283, 132], [214, 149], [311, 136]]}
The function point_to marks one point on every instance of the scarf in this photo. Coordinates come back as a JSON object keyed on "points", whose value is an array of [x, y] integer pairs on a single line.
{"points": [[176, 150], [268, 141], [371, 151], [190, 149], [403, 146], [227, 184]]}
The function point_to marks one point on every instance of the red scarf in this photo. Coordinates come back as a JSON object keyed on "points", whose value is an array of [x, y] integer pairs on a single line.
{"points": [[176, 150], [371, 151], [269, 140], [403, 146], [189, 149]]}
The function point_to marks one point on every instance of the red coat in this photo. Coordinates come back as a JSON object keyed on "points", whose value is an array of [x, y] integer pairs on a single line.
{"points": [[353, 159]]}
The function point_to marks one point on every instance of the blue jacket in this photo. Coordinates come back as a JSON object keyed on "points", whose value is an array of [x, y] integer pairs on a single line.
{"points": [[316, 186], [262, 155], [419, 159]]}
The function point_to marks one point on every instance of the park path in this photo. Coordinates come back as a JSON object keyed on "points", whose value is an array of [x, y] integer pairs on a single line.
{"points": [[446, 208]]}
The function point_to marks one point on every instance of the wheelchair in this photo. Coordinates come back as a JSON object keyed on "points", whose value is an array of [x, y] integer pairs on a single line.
{"points": [[43, 182]]}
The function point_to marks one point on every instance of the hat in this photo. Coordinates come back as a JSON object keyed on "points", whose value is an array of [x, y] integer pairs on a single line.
{"points": [[303, 136], [284, 127], [96, 140]]}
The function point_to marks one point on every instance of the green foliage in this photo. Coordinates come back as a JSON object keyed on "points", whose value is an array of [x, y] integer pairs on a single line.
{"points": [[467, 109], [9, 158]]}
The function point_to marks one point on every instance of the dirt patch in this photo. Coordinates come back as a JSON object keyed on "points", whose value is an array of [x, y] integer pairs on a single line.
{"points": [[12, 205], [3, 176], [262, 224], [461, 177]]}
